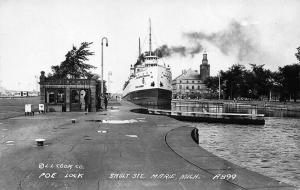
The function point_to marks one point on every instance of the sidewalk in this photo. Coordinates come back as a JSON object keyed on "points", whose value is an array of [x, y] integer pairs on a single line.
{"points": [[125, 151]]}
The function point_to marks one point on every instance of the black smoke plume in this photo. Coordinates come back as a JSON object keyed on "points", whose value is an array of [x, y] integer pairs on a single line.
{"points": [[165, 51], [234, 38]]}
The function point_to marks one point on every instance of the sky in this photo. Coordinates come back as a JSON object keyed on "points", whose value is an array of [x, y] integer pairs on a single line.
{"points": [[35, 34]]}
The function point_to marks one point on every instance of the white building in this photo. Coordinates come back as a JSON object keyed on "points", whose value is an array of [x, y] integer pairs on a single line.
{"points": [[191, 82]]}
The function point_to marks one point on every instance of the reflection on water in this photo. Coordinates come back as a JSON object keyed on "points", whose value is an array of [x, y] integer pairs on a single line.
{"points": [[272, 150]]}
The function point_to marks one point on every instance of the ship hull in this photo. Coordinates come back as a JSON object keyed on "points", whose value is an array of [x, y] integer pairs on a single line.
{"points": [[154, 98]]}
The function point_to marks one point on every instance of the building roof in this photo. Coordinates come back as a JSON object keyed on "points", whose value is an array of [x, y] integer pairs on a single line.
{"points": [[188, 75]]}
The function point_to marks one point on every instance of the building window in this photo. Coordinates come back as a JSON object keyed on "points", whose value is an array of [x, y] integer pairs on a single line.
{"points": [[193, 86], [187, 81], [75, 96], [60, 96], [180, 81], [198, 87], [192, 81], [187, 87], [51, 97], [180, 86]]}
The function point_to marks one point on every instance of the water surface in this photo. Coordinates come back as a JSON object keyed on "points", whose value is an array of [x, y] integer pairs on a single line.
{"points": [[272, 149]]}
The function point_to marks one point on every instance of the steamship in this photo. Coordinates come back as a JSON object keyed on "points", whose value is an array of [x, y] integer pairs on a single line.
{"points": [[149, 83]]}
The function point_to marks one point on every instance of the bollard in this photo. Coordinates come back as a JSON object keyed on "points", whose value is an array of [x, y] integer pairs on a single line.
{"points": [[195, 135], [73, 120], [40, 142]]}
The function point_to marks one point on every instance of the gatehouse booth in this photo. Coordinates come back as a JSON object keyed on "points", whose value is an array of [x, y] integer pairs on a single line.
{"points": [[64, 95]]}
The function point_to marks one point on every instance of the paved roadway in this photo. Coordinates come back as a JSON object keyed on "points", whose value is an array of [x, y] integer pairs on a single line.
{"points": [[126, 151]]}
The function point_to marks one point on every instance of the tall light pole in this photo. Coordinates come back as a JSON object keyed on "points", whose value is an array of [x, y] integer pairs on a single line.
{"points": [[219, 85], [109, 81], [103, 38]]}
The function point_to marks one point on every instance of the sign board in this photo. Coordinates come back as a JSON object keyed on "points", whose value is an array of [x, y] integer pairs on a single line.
{"points": [[41, 107], [28, 108]]}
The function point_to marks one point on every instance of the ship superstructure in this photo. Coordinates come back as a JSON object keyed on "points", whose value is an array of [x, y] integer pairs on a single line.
{"points": [[149, 83]]}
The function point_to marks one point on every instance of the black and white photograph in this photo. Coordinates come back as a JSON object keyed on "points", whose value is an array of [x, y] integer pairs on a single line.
{"points": [[149, 95]]}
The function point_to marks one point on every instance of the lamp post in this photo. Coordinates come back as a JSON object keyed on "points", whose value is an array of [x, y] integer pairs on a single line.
{"points": [[219, 85], [103, 38]]}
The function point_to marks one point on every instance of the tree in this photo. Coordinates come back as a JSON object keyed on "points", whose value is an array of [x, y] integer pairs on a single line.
{"points": [[261, 80], [289, 79], [277, 85], [74, 65], [234, 81], [212, 83], [298, 54]]}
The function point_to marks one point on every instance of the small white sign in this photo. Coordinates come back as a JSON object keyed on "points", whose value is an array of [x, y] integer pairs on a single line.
{"points": [[41, 107], [28, 108]]}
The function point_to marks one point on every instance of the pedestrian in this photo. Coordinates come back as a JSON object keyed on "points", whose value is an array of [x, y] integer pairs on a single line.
{"points": [[105, 102]]}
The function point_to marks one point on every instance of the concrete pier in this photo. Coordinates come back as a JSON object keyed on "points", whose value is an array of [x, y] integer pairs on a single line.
{"points": [[131, 151]]}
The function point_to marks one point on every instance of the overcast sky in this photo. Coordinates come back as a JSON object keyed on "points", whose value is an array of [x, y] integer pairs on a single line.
{"points": [[36, 34]]}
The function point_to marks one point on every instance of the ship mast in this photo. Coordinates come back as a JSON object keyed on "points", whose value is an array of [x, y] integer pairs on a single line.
{"points": [[150, 43], [139, 48]]}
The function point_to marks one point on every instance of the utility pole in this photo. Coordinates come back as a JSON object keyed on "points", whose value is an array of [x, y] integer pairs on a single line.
{"points": [[219, 85], [102, 86]]}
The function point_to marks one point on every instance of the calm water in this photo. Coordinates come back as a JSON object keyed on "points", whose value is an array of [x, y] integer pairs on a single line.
{"points": [[272, 150]]}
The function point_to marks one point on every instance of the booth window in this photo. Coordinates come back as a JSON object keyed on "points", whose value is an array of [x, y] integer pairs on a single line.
{"points": [[51, 97], [75, 96], [60, 96]]}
